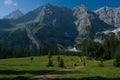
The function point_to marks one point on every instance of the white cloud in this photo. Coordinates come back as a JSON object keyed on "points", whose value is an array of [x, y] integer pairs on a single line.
{"points": [[10, 2], [15, 4]]}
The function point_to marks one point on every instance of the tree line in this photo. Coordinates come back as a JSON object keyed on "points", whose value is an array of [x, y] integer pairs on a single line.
{"points": [[109, 49]]}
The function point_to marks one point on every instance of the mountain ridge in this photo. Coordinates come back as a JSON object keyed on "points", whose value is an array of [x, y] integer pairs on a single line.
{"points": [[53, 25], [14, 15]]}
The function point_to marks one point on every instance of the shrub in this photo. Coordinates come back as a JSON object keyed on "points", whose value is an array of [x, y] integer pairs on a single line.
{"points": [[50, 63], [117, 57], [58, 58], [61, 63], [101, 63]]}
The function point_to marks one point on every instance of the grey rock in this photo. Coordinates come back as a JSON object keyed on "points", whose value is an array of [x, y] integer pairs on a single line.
{"points": [[109, 15], [62, 27], [14, 15], [88, 23]]}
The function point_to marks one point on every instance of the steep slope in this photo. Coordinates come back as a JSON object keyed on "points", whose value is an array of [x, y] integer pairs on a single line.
{"points": [[14, 15], [55, 27], [59, 25], [13, 36], [109, 15], [107, 35], [5, 24], [15, 40], [31, 37], [88, 23]]}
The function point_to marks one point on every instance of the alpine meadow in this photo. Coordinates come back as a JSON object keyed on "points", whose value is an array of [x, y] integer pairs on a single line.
{"points": [[59, 40]]}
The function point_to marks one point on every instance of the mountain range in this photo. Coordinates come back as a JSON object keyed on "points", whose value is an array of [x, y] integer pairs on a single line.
{"points": [[14, 15], [58, 27]]}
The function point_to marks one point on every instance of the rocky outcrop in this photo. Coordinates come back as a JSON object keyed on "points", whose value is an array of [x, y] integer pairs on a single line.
{"points": [[62, 27], [88, 23], [14, 15], [109, 15]]}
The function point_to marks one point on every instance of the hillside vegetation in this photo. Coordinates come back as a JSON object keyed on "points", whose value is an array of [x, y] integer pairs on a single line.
{"points": [[23, 69]]}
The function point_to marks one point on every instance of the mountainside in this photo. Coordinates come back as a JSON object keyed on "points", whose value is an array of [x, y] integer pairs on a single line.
{"points": [[49, 25], [14, 15], [88, 23], [58, 27], [109, 15], [51, 29], [5, 24]]}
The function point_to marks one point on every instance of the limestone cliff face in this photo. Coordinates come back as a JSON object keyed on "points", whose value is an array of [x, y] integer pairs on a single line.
{"points": [[60, 27], [109, 15], [88, 23], [14, 15]]}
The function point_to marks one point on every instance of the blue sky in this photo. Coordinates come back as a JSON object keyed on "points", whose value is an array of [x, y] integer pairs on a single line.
{"points": [[7, 6]]}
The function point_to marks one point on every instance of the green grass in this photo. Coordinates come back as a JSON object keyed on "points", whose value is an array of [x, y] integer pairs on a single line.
{"points": [[16, 68]]}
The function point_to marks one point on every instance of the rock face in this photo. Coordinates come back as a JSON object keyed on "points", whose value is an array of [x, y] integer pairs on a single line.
{"points": [[88, 23], [14, 15], [109, 15], [50, 25], [59, 27]]}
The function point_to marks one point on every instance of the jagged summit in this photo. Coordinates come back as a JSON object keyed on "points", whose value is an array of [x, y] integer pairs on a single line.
{"points": [[52, 25], [48, 4], [87, 22], [103, 8], [109, 15], [14, 15], [81, 8]]}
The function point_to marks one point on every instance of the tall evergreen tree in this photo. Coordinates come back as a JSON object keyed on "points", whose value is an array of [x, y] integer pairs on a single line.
{"points": [[50, 62], [58, 58], [117, 57], [61, 63]]}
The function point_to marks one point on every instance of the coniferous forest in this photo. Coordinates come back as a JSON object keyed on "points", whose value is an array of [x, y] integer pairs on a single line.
{"points": [[59, 40]]}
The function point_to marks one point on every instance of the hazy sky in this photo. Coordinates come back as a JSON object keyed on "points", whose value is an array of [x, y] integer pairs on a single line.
{"points": [[7, 6]]}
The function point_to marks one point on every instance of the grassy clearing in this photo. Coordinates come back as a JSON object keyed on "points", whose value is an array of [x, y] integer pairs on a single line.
{"points": [[22, 68]]}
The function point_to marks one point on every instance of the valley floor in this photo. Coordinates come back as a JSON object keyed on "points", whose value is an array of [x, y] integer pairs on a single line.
{"points": [[24, 69]]}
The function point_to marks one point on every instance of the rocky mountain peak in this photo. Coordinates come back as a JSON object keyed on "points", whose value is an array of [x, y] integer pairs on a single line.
{"points": [[52, 25], [48, 5], [81, 8], [109, 15], [88, 22], [14, 15], [106, 8], [81, 11]]}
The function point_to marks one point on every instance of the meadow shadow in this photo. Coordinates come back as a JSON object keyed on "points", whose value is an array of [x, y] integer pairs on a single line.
{"points": [[88, 78]]}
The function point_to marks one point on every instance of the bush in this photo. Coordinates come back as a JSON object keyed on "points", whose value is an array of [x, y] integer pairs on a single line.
{"points": [[31, 59], [61, 63], [117, 57], [101, 63], [58, 58], [50, 63]]}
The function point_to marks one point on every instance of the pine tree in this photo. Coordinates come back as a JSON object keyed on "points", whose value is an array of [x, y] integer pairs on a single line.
{"points": [[49, 55], [58, 58], [0, 46], [101, 63], [117, 57], [50, 63], [61, 63], [31, 59]]}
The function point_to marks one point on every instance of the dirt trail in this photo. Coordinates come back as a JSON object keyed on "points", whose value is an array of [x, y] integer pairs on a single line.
{"points": [[51, 75], [42, 77]]}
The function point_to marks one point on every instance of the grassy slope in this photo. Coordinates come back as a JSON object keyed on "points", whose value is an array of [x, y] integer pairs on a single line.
{"points": [[17, 67]]}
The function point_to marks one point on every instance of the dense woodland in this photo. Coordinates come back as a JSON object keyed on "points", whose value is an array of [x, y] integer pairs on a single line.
{"points": [[108, 50], [90, 49]]}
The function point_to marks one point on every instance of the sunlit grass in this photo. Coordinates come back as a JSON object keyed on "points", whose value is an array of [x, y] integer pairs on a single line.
{"points": [[16, 67]]}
